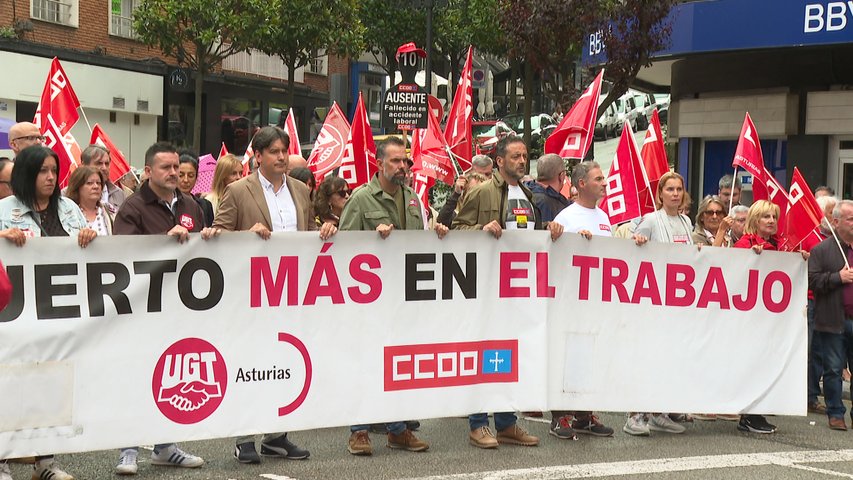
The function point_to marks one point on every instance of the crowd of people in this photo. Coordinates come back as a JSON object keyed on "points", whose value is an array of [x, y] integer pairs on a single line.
{"points": [[493, 196]]}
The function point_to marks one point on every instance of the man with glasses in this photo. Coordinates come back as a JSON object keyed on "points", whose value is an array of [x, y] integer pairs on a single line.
{"points": [[550, 173], [23, 135], [268, 201]]}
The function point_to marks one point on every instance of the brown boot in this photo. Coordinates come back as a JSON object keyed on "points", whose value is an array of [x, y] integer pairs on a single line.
{"points": [[406, 441], [359, 443], [837, 423], [482, 438], [516, 435]]}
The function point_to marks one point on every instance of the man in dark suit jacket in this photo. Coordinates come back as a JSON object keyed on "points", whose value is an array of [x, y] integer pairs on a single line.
{"points": [[264, 202]]}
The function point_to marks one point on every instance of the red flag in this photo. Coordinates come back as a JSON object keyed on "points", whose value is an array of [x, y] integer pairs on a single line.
{"points": [[55, 115], [429, 152], [359, 163], [749, 157], [330, 145], [118, 165], [66, 148], [247, 157], [574, 134], [803, 215], [654, 161], [290, 128], [58, 100], [421, 183], [777, 195], [222, 151], [622, 201], [461, 117]]}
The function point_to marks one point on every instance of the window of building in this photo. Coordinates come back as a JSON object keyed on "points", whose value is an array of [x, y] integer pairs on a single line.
{"points": [[121, 18], [238, 126], [63, 12], [319, 64]]}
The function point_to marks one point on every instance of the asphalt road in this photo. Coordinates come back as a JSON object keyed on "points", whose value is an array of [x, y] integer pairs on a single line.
{"points": [[804, 447]]}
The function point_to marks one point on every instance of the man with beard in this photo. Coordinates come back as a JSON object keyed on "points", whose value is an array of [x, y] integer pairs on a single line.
{"points": [[384, 204], [503, 203]]}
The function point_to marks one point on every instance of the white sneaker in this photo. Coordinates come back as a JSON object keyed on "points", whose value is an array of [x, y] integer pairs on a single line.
{"points": [[662, 423], [636, 425], [49, 470], [5, 473], [127, 463], [175, 457]]}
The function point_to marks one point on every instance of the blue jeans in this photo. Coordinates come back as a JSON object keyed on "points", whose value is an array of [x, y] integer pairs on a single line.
{"points": [[815, 362], [835, 351], [394, 427], [503, 420]]}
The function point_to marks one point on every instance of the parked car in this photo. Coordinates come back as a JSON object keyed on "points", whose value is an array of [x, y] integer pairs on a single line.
{"points": [[541, 126], [487, 133], [608, 124], [662, 102], [626, 110], [645, 106]]}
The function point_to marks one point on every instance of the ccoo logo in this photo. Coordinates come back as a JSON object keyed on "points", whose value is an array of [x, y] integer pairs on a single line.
{"points": [[189, 381]]}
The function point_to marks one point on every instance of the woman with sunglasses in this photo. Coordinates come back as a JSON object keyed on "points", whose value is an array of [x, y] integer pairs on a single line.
{"points": [[712, 223], [330, 199]]}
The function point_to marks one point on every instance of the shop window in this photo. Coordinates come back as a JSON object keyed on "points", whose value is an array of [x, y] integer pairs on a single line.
{"points": [[121, 18], [239, 118], [63, 12], [181, 125]]}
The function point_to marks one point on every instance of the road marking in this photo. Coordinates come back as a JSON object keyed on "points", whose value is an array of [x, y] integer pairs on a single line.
{"points": [[665, 465], [270, 476]]}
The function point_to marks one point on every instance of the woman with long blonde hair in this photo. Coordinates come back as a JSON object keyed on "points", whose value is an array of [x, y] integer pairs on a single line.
{"points": [[228, 170]]}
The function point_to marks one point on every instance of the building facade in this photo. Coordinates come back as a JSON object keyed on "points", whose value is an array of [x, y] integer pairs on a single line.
{"points": [[137, 94], [786, 63]]}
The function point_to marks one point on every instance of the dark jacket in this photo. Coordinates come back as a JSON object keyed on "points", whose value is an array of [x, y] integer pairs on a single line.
{"points": [[144, 213], [448, 211], [206, 208], [487, 202], [549, 201], [824, 280]]}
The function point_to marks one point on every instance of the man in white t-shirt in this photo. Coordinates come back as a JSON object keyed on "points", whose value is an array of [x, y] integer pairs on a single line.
{"points": [[502, 203], [584, 217]]}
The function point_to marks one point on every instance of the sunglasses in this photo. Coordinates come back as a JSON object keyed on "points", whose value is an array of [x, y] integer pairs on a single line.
{"points": [[714, 213], [343, 193]]}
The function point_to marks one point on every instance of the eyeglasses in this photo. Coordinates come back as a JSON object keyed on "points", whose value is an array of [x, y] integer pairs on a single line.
{"points": [[30, 138], [714, 213], [343, 193]]}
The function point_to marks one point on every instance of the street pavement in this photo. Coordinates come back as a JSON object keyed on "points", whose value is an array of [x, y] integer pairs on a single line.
{"points": [[804, 447]]}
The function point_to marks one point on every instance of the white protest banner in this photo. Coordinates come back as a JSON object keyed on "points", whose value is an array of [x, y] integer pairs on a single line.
{"points": [[142, 340]]}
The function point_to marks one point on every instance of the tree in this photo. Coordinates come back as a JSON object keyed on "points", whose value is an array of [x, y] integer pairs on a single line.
{"points": [[463, 23], [303, 28], [389, 24], [199, 34], [638, 29]]}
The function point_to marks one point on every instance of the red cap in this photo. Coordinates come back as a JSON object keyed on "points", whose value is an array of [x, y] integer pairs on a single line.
{"points": [[410, 47]]}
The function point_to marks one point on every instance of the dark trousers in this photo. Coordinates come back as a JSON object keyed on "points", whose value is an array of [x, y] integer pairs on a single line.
{"points": [[835, 352]]}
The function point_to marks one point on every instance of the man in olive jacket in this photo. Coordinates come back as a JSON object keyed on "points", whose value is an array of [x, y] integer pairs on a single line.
{"points": [[499, 204]]}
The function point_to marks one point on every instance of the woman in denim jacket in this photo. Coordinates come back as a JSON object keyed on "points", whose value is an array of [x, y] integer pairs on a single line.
{"points": [[36, 208]]}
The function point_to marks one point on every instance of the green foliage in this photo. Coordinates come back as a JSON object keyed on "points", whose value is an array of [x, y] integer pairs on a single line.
{"points": [[7, 32], [199, 33], [467, 22], [301, 28], [389, 24]]}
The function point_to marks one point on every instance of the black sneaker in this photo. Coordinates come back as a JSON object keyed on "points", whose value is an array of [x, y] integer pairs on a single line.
{"points": [[589, 424], [281, 447], [561, 427], [755, 424], [246, 453]]}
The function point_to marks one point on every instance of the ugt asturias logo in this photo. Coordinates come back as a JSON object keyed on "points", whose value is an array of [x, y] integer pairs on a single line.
{"points": [[189, 381]]}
